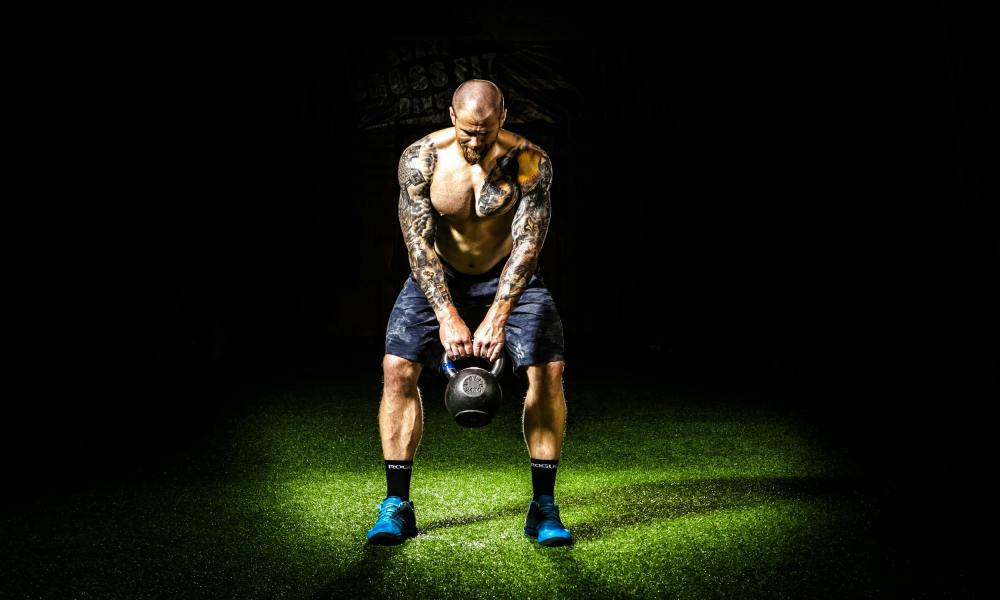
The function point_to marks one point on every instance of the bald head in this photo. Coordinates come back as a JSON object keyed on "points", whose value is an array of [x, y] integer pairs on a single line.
{"points": [[478, 98]]}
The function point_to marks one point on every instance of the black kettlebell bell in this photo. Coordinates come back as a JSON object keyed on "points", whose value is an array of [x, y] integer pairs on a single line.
{"points": [[473, 394]]}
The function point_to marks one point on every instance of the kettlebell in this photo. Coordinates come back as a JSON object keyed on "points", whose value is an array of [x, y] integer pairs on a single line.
{"points": [[473, 394]]}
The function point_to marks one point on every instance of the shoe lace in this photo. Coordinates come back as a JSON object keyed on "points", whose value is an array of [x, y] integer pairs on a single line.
{"points": [[386, 511], [549, 511]]}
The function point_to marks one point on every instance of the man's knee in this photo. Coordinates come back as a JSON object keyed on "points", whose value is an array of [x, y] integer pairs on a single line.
{"points": [[546, 376], [400, 374]]}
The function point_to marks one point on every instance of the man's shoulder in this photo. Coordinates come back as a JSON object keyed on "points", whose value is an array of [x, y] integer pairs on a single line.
{"points": [[420, 156], [518, 144], [433, 140], [533, 164]]}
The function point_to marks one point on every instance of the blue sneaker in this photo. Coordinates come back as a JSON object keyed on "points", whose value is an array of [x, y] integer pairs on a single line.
{"points": [[396, 522], [543, 523]]}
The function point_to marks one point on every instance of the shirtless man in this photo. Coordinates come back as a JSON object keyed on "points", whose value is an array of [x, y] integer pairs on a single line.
{"points": [[474, 209]]}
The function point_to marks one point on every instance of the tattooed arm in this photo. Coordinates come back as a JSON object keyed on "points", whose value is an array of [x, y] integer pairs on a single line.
{"points": [[531, 223], [417, 220]]}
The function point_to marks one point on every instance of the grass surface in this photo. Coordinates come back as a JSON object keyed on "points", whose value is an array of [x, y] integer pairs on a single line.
{"points": [[668, 495]]}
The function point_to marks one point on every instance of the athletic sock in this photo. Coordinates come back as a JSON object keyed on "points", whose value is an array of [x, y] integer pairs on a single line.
{"points": [[397, 476], [543, 477]]}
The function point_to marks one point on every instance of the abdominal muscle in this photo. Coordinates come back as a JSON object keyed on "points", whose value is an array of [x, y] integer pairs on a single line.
{"points": [[472, 258]]}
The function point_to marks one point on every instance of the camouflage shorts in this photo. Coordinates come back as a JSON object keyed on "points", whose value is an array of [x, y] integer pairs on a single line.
{"points": [[534, 330]]}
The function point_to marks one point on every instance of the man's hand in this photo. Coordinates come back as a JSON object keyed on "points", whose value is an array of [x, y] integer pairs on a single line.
{"points": [[455, 337], [489, 339]]}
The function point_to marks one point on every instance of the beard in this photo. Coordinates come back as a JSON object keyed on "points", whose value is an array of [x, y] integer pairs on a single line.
{"points": [[473, 157]]}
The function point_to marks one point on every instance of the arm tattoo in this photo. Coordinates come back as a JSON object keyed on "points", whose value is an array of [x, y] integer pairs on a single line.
{"points": [[417, 220], [531, 223]]}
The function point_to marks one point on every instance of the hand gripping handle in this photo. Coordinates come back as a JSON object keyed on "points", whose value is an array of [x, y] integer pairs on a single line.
{"points": [[448, 367]]}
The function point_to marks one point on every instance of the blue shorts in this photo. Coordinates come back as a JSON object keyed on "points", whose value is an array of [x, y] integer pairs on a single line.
{"points": [[534, 330]]}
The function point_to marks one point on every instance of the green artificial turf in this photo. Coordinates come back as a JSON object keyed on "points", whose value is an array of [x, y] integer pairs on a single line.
{"points": [[668, 495]]}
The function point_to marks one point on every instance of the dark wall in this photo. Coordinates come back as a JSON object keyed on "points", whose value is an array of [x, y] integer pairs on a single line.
{"points": [[733, 188], [798, 198]]}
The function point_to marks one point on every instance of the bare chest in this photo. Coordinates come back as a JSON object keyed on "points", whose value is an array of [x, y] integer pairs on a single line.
{"points": [[463, 192]]}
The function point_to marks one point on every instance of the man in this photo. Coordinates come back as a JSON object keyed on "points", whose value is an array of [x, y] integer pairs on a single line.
{"points": [[474, 210]]}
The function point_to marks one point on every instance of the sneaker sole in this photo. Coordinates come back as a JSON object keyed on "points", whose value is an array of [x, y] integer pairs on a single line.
{"points": [[387, 539], [554, 541]]}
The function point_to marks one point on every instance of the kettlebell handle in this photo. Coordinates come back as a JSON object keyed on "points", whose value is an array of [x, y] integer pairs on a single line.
{"points": [[448, 367]]}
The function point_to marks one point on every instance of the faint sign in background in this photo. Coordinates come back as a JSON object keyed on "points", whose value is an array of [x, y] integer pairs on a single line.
{"points": [[411, 83]]}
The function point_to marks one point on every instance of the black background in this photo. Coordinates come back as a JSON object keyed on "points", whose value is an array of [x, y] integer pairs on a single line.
{"points": [[800, 198]]}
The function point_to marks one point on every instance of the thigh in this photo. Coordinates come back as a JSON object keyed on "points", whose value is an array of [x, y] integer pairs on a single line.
{"points": [[412, 331], [534, 330]]}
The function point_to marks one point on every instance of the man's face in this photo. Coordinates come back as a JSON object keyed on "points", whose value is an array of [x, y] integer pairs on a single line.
{"points": [[476, 136]]}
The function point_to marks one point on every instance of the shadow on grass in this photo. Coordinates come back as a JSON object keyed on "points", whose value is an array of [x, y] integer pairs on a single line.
{"points": [[671, 500], [644, 503], [364, 576], [623, 507], [575, 579], [474, 519]]}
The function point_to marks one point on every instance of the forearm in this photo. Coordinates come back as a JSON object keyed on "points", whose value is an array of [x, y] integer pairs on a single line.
{"points": [[513, 281], [429, 274]]}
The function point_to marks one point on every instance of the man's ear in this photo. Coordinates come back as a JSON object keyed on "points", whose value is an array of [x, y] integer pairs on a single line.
{"points": [[451, 113], [503, 117]]}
